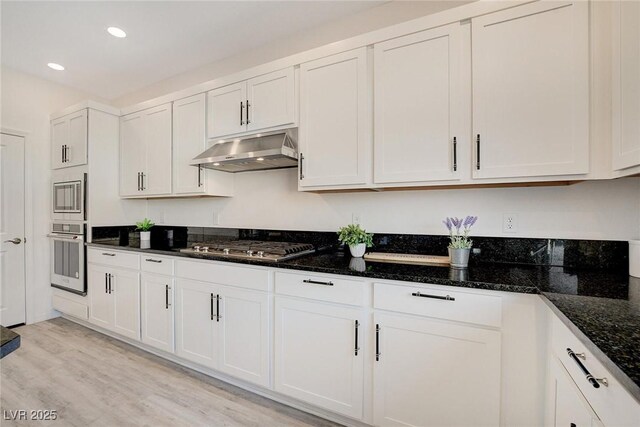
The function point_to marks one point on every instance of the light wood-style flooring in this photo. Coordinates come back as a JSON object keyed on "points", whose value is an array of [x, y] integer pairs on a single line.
{"points": [[94, 380]]}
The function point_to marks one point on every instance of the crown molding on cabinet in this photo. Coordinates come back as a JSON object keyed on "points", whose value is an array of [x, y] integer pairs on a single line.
{"points": [[86, 104], [458, 14]]}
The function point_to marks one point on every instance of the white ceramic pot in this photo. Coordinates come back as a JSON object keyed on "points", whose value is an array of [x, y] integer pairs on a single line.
{"points": [[459, 257], [145, 239], [357, 251]]}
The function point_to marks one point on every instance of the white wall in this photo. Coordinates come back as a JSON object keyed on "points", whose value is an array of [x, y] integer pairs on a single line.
{"points": [[27, 102], [608, 210]]}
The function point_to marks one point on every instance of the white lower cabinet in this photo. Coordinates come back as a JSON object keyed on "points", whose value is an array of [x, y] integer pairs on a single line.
{"points": [[434, 373], [114, 299], [223, 328], [566, 405], [156, 308], [316, 357]]}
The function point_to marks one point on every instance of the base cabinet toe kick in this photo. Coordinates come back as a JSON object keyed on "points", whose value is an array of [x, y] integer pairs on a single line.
{"points": [[358, 351]]}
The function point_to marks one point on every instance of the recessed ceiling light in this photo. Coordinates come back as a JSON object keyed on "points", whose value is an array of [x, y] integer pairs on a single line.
{"points": [[55, 66], [116, 32]]}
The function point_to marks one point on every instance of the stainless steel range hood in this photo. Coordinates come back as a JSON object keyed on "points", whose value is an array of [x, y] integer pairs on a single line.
{"points": [[257, 153]]}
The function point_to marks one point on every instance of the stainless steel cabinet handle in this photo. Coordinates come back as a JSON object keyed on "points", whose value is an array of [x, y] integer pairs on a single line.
{"points": [[153, 260], [356, 348], [301, 174], [106, 284], [142, 174], [211, 307], [199, 176], [110, 287], [377, 342], [316, 282], [62, 154], [455, 154], [15, 241], [241, 113], [139, 181], [446, 298], [218, 298], [478, 152], [248, 105], [166, 297], [66, 154], [108, 254], [595, 382]]}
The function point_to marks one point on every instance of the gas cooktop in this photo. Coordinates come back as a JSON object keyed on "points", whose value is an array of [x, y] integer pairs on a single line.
{"points": [[251, 249]]}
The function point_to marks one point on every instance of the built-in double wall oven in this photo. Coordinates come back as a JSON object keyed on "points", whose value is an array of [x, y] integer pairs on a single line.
{"points": [[68, 254], [68, 232]]}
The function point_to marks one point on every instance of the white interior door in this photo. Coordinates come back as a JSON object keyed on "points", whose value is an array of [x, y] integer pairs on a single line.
{"points": [[12, 255]]}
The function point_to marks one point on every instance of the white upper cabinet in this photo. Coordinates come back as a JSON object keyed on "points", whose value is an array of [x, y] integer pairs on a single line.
{"points": [[145, 152], [69, 140], [417, 96], [626, 85], [227, 110], [531, 91], [261, 103], [335, 121], [271, 100], [189, 140]]}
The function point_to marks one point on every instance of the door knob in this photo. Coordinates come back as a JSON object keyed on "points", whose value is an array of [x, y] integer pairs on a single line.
{"points": [[15, 241]]}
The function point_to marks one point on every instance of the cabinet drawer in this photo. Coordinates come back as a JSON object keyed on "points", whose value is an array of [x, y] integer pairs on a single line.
{"points": [[439, 303], [223, 274], [156, 264], [612, 403], [325, 288], [113, 258], [71, 308]]}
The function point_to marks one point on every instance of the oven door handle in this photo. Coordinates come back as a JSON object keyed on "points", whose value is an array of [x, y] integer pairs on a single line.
{"points": [[72, 238]]}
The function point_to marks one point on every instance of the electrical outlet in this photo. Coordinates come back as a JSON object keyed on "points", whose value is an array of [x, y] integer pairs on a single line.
{"points": [[356, 218], [509, 223], [215, 218]]}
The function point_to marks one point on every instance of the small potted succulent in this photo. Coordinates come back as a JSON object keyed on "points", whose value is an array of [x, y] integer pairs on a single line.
{"points": [[144, 227], [460, 245], [356, 238]]}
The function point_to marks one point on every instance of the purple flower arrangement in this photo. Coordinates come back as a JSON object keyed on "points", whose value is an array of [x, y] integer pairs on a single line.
{"points": [[459, 231]]}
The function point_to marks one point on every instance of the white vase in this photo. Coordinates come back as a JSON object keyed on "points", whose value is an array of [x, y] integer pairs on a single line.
{"points": [[145, 239], [357, 251]]}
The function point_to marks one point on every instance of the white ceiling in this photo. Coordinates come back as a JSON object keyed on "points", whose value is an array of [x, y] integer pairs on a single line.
{"points": [[164, 38]]}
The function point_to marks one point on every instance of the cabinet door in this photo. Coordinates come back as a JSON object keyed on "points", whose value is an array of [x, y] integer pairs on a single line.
{"points": [[626, 84], [196, 322], [59, 137], [100, 306], [271, 100], [566, 406], [132, 153], [452, 372], [76, 149], [417, 94], [531, 91], [156, 308], [157, 130], [226, 113], [335, 121], [315, 358], [125, 297], [243, 340], [189, 140]]}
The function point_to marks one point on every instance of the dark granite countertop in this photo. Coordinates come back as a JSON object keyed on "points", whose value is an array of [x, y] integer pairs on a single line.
{"points": [[9, 341], [609, 328], [600, 306]]}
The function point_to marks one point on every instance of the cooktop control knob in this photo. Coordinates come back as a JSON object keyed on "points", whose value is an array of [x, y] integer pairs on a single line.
{"points": [[205, 249], [250, 253], [225, 251], [260, 254], [196, 248]]}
